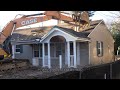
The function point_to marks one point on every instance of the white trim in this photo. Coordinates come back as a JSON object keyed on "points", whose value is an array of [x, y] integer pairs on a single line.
{"points": [[13, 29], [13, 51], [46, 35], [74, 51], [105, 76], [82, 39], [60, 61], [52, 31], [100, 48], [43, 54], [49, 61], [95, 27], [66, 61], [68, 52]]}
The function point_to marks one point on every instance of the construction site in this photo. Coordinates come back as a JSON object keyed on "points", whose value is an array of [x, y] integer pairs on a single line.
{"points": [[47, 51]]}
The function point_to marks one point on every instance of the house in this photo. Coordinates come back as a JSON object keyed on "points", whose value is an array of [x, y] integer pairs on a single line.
{"points": [[63, 46]]}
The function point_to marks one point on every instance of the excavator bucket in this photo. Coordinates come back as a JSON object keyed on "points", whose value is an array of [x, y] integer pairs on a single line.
{"points": [[85, 17]]}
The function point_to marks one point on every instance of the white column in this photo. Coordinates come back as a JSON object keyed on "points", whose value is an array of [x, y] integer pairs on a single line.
{"points": [[74, 48], [13, 51], [60, 61], [66, 61], [49, 62], [78, 53], [68, 52], [43, 54]]}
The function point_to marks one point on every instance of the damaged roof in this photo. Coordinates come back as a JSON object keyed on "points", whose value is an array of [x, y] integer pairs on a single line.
{"points": [[37, 33], [89, 29], [30, 33], [71, 32]]}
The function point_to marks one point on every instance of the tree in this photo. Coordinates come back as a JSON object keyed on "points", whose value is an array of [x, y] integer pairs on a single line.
{"points": [[91, 13], [115, 30]]}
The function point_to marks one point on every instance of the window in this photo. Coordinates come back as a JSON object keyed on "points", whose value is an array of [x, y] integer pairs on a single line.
{"points": [[99, 48], [36, 50], [71, 48], [19, 49]]}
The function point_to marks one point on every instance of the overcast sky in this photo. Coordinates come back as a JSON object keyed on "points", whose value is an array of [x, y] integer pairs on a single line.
{"points": [[6, 16]]}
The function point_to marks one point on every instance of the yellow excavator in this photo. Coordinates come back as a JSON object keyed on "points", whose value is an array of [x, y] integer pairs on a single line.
{"points": [[5, 35]]}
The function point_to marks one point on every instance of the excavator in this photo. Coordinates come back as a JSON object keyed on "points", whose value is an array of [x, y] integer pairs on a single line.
{"points": [[24, 20]]}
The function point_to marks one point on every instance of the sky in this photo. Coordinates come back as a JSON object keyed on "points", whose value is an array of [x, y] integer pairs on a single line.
{"points": [[6, 16]]}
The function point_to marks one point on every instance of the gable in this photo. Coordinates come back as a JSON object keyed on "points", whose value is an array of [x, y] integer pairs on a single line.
{"points": [[101, 31], [57, 32], [92, 26]]}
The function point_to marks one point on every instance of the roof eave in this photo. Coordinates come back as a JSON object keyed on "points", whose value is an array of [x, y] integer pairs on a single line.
{"points": [[83, 39]]}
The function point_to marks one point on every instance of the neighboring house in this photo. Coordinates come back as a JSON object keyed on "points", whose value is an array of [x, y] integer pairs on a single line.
{"points": [[61, 46]]}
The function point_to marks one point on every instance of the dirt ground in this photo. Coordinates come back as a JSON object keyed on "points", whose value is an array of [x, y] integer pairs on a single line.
{"points": [[29, 73]]}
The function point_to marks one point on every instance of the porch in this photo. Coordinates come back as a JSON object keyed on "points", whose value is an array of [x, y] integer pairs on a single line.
{"points": [[61, 53]]}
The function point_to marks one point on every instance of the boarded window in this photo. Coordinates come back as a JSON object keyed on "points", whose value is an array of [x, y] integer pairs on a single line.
{"points": [[99, 46], [19, 49]]}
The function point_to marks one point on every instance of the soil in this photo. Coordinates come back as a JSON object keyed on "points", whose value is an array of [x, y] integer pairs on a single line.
{"points": [[29, 73]]}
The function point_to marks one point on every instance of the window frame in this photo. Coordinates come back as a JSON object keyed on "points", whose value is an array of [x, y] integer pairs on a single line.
{"points": [[34, 50], [99, 48], [17, 48]]}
